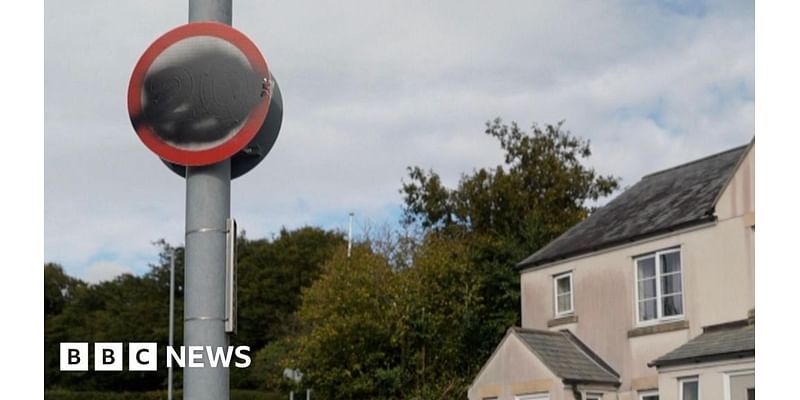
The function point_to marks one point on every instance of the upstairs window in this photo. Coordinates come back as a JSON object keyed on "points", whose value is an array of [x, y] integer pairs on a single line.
{"points": [[659, 286], [562, 285]]}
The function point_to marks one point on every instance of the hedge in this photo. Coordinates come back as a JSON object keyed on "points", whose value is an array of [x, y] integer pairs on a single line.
{"points": [[236, 394]]}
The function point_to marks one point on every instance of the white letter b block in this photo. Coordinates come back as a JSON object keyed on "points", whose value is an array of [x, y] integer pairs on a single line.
{"points": [[74, 356], [108, 356]]}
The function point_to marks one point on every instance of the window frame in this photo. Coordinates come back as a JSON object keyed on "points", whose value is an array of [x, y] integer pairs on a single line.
{"points": [[726, 389], [556, 278], [593, 396], [533, 396], [660, 318], [645, 393], [686, 379]]}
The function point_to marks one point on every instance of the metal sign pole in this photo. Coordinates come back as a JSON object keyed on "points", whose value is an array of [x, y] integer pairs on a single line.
{"points": [[350, 237], [171, 315], [207, 210], [208, 191], [194, 82]]}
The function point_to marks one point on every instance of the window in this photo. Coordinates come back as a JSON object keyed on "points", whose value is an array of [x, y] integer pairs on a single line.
{"points": [[593, 396], [562, 285], [740, 385], [648, 395], [659, 286], [542, 396], [690, 388]]}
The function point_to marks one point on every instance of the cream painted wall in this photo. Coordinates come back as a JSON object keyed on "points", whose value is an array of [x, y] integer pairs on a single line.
{"points": [[739, 197], [711, 376], [514, 370], [718, 266], [718, 286]]}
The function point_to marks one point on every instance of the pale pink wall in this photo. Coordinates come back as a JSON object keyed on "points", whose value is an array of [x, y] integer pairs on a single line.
{"points": [[718, 278], [514, 365], [712, 377], [739, 197], [718, 281]]}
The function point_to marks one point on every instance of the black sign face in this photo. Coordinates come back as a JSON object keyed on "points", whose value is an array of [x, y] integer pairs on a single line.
{"points": [[199, 100], [199, 94], [258, 148]]}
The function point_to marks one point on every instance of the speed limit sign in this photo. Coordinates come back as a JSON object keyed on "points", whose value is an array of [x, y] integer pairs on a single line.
{"points": [[199, 94]]}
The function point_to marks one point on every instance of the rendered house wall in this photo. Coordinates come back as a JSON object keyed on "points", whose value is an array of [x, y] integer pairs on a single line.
{"points": [[712, 378], [718, 271], [718, 286], [514, 370]]}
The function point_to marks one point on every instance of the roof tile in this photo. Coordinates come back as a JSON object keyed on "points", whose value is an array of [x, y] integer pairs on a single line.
{"points": [[713, 344], [671, 199], [567, 357]]}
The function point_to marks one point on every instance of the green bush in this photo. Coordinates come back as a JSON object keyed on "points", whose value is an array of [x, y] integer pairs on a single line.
{"points": [[92, 395], [239, 394], [236, 394]]}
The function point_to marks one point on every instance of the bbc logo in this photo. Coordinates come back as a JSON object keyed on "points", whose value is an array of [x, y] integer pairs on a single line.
{"points": [[108, 356]]}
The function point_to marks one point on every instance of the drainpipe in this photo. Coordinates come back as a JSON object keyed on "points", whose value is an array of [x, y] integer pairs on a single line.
{"points": [[576, 394]]}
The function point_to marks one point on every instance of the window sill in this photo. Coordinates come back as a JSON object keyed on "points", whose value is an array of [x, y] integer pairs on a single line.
{"points": [[659, 328], [567, 319]]}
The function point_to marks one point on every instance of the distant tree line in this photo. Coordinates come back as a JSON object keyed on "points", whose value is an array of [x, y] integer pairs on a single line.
{"points": [[412, 313], [136, 308]]}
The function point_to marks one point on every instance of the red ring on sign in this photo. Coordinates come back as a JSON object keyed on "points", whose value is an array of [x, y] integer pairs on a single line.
{"points": [[238, 140]]}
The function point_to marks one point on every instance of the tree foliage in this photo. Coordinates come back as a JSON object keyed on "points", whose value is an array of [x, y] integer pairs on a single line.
{"points": [[413, 313], [136, 308], [460, 292], [271, 274], [508, 212], [383, 333], [126, 309], [541, 188]]}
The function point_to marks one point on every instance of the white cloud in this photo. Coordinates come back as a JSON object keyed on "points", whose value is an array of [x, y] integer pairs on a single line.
{"points": [[372, 87], [104, 271]]}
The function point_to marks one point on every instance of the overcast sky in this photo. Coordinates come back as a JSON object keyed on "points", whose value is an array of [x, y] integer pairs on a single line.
{"points": [[370, 88]]}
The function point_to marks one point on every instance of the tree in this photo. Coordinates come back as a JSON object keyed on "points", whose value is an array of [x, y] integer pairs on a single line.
{"points": [[542, 189], [271, 274], [440, 310], [131, 308], [350, 349], [373, 331], [126, 309], [506, 213], [59, 288]]}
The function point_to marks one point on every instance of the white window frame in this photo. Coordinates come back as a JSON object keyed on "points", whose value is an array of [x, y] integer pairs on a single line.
{"points": [[571, 310], [646, 393], [686, 379], [727, 380], [538, 396], [660, 318]]}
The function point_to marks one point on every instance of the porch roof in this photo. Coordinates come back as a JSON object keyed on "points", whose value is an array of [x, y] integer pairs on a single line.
{"points": [[568, 357], [719, 342]]}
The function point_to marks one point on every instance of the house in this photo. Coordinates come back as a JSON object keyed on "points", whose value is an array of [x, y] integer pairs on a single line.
{"points": [[650, 297]]}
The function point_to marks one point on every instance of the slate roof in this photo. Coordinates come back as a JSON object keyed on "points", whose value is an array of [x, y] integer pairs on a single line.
{"points": [[661, 202], [568, 358], [728, 342]]}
